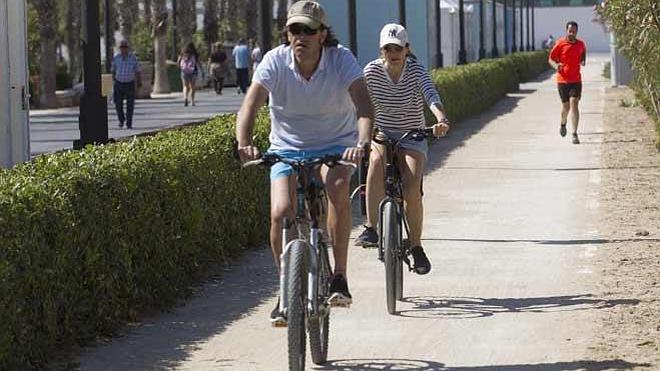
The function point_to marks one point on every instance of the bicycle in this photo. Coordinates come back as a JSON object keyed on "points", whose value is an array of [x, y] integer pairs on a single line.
{"points": [[393, 250], [305, 270]]}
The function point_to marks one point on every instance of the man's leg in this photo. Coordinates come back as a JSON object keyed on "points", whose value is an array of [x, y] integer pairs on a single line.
{"points": [[575, 118], [118, 97], [130, 104], [337, 183], [282, 193], [375, 193], [563, 95]]}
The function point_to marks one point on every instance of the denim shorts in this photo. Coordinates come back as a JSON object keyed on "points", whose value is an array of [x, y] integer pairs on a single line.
{"points": [[422, 146], [281, 169]]}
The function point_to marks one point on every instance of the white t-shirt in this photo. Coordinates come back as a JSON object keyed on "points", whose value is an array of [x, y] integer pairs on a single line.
{"points": [[315, 114]]}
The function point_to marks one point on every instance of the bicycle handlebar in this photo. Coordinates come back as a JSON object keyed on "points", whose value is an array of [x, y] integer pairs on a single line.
{"points": [[270, 159], [416, 134]]}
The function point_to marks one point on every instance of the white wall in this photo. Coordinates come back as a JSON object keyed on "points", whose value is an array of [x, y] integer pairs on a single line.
{"points": [[552, 21]]}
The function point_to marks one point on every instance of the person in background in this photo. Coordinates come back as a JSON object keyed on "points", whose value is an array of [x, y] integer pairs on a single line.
{"points": [[126, 76], [217, 67], [256, 56], [566, 57], [241, 56], [189, 64]]}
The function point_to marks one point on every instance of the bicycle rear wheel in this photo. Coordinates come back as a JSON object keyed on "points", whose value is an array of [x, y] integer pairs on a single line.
{"points": [[297, 292], [391, 240], [319, 326]]}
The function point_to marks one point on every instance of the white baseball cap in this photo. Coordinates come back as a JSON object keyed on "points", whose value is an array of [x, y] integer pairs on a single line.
{"points": [[393, 33]]}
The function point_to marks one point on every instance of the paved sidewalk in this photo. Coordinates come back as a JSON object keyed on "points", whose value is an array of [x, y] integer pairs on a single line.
{"points": [[511, 226], [55, 129]]}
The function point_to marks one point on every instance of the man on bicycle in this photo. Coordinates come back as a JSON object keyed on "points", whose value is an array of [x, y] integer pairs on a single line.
{"points": [[315, 91], [398, 85]]}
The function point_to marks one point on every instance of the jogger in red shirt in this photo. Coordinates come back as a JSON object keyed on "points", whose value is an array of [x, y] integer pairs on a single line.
{"points": [[566, 57]]}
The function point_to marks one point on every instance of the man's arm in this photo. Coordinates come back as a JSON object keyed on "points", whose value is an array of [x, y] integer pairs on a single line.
{"points": [[255, 97], [553, 58], [364, 108]]}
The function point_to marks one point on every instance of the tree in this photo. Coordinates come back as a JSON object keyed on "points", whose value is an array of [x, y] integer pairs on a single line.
{"points": [[159, 35], [147, 11], [186, 20], [251, 19], [128, 12], [47, 15], [210, 22], [281, 14]]}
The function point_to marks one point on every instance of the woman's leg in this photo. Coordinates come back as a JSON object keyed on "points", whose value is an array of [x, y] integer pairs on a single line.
{"points": [[185, 91], [411, 166]]}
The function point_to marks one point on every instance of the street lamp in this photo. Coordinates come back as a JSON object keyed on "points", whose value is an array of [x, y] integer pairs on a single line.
{"points": [[522, 44], [533, 25], [494, 52], [514, 47], [352, 26], [527, 30], [438, 33], [93, 119], [462, 57], [402, 12], [482, 51], [175, 52], [265, 24]]}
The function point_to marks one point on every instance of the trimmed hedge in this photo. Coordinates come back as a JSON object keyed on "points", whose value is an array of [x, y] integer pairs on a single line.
{"points": [[472, 88], [94, 238]]}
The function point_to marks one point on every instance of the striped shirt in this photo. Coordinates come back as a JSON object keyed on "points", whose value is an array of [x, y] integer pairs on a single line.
{"points": [[400, 106], [125, 68]]}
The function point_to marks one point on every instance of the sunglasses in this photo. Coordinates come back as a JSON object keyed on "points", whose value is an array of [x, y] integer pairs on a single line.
{"points": [[298, 29], [123, 46], [393, 48]]}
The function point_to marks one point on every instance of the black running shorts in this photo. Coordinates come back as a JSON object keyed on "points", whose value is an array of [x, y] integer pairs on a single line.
{"points": [[568, 90]]}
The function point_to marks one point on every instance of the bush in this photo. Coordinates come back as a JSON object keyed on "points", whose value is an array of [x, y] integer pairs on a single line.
{"points": [[473, 88], [607, 71], [92, 238], [637, 29]]}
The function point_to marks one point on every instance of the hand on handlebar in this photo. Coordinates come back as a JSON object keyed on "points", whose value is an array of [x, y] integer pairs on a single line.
{"points": [[441, 128], [248, 153], [354, 154]]}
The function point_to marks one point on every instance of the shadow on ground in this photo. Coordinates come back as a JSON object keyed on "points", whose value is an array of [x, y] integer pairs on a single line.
{"points": [[468, 307], [419, 365]]}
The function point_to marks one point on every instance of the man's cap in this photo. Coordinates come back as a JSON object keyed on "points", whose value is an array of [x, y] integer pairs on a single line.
{"points": [[393, 33], [309, 13]]}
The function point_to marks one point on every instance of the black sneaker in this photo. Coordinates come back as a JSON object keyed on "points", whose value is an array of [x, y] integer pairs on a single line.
{"points": [[421, 264], [576, 140], [339, 294], [277, 319], [368, 238], [121, 124], [562, 130]]}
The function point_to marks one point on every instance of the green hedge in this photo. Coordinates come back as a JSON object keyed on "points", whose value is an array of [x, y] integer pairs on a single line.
{"points": [[93, 238], [472, 88]]}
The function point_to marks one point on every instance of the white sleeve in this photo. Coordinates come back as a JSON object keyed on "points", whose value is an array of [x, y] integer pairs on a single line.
{"points": [[349, 69], [265, 74]]}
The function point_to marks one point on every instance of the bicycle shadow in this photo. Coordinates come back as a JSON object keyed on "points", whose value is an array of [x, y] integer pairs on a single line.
{"points": [[470, 307], [422, 365]]}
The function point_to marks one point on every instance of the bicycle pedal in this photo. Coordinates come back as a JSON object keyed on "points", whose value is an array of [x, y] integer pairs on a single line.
{"points": [[279, 323]]}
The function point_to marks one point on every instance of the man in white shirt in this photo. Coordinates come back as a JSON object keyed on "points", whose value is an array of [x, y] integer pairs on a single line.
{"points": [[316, 92]]}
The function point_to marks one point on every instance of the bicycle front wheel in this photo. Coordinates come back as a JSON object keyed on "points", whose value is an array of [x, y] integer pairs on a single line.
{"points": [[391, 239], [297, 290]]}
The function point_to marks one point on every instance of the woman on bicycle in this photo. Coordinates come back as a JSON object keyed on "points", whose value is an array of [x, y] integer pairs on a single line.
{"points": [[398, 86], [316, 93]]}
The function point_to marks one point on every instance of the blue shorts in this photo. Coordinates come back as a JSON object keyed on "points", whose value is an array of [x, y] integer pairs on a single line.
{"points": [[281, 169]]}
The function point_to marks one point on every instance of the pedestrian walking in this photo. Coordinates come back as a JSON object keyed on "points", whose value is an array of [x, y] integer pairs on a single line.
{"points": [[189, 64], [126, 77], [256, 56], [568, 54], [241, 56], [217, 67]]}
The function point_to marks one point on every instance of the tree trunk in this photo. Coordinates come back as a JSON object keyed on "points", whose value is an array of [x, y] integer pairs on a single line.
{"points": [[281, 14], [47, 14], [159, 34], [128, 11], [251, 19], [147, 11], [210, 22], [186, 20], [73, 40], [222, 20]]}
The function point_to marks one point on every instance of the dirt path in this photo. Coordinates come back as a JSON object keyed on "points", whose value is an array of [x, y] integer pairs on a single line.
{"points": [[524, 266]]}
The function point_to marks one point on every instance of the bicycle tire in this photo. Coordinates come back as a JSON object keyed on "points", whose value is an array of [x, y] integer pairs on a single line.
{"points": [[296, 331], [319, 326], [391, 238]]}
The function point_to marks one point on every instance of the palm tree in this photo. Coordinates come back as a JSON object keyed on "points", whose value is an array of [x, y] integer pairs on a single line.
{"points": [[251, 18], [186, 20], [159, 34], [47, 15], [210, 22], [73, 39], [281, 14], [128, 12]]}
